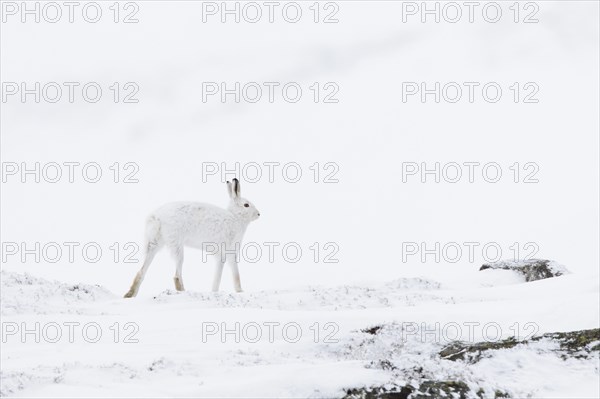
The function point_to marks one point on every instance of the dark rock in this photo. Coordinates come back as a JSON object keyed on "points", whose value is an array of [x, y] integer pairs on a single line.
{"points": [[497, 394], [441, 389], [379, 393], [568, 344], [382, 364], [372, 330], [576, 343], [572, 344], [532, 269], [427, 390], [473, 352]]}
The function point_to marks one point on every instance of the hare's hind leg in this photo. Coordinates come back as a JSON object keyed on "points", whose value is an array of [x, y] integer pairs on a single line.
{"points": [[178, 279], [139, 277]]}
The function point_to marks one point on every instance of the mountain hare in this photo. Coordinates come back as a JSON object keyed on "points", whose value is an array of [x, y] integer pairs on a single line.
{"points": [[202, 226]]}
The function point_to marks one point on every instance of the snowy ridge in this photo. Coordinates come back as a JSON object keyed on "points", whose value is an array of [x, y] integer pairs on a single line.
{"points": [[366, 340], [24, 293], [403, 291]]}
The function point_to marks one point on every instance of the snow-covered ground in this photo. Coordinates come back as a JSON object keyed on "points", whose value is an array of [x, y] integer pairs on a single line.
{"points": [[309, 342], [381, 230]]}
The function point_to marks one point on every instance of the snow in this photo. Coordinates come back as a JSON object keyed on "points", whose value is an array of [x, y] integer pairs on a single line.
{"points": [[183, 348], [24, 293]]}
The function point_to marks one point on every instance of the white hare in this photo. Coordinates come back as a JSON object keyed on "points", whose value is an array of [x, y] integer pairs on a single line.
{"points": [[202, 226]]}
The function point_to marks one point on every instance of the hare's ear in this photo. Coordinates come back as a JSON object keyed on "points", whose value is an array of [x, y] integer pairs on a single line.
{"points": [[236, 188], [230, 189]]}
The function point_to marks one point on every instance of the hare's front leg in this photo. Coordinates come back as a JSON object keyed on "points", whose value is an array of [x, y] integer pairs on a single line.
{"points": [[218, 274], [236, 274], [178, 255]]}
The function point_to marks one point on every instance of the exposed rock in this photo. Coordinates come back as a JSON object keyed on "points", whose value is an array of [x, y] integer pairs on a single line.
{"points": [[441, 389], [371, 330], [379, 393], [576, 343], [473, 352], [571, 344], [497, 394], [426, 390], [532, 269]]}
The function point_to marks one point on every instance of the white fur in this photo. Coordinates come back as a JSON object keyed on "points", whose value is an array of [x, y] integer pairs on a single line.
{"points": [[198, 225]]}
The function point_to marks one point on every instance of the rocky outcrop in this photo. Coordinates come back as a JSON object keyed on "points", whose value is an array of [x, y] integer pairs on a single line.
{"points": [[574, 344], [426, 390], [570, 344], [532, 269]]}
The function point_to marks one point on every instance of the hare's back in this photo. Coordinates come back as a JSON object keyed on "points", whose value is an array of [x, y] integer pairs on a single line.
{"points": [[189, 214]]}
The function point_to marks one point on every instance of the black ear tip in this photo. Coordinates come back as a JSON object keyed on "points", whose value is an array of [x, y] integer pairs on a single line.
{"points": [[235, 180], [228, 182]]}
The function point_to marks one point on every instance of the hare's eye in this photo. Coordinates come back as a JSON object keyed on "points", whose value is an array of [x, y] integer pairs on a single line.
{"points": [[246, 205]]}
